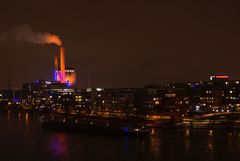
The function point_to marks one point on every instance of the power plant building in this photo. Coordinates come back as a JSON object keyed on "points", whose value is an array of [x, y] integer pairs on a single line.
{"points": [[63, 74]]}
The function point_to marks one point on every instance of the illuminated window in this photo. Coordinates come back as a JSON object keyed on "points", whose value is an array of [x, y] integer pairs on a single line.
{"points": [[170, 95]]}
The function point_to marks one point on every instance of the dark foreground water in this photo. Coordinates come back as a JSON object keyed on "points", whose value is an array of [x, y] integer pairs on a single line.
{"points": [[21, 138]]}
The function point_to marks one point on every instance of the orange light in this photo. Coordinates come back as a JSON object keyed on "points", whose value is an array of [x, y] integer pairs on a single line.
{"points": [[222, 77], [53, 39], [62, 64]]}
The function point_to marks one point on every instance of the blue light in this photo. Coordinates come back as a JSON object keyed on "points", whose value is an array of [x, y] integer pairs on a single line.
{"points": [[67, 84], [16, 99], [55, 76], [125, 129]]}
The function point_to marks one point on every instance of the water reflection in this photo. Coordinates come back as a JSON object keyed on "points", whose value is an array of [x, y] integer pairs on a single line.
{"points": [[126, 145], [210, 146], [210, 133], [27, 120], [59, 145], [187, 141], [8, 114], [155, 145], [153, 131], [187, 132], [163, 144], [19, 116], [230, 144]]}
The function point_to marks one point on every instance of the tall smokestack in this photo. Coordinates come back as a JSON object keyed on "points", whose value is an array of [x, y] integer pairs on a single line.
{"points": [[56, 63], [56, 69], [62, 64]]}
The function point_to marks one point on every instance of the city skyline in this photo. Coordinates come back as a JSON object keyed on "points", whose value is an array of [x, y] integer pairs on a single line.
{"points": [[121, 80], [123, 44]]}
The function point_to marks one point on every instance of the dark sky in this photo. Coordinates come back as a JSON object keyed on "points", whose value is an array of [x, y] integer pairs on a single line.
{"points": [[124, 43]]}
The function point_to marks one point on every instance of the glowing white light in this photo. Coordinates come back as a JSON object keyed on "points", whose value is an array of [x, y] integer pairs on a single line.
{"points": [[99, 89]]}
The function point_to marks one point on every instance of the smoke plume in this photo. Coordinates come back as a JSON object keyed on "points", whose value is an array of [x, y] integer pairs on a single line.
{"points": [[26, 34]]}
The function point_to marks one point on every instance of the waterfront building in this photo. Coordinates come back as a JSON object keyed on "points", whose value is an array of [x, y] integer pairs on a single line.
{"points": [[219, 94]]}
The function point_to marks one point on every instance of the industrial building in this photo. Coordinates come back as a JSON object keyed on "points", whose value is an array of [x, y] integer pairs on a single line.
{"points": [[63, 74]]}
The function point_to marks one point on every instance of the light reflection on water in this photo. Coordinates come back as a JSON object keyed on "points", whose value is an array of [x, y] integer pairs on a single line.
{"points": [[163, 145], [27, 120], [8, 114], [126, 146], [155, 146], [19, 116], [187, 142], [59, 145]]}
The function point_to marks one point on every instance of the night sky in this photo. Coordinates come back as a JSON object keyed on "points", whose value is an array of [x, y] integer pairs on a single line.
{"points": [[123, 43]]}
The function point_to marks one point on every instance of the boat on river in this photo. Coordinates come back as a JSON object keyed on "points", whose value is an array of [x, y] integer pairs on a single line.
{"points": [[94, 126], [214, 120]]}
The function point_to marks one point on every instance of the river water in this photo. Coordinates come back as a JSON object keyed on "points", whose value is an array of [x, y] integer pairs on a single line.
{"points": [[23, 139]]}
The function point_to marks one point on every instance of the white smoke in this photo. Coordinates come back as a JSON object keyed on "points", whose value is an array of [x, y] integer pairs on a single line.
{"points": [[25, 33]]}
